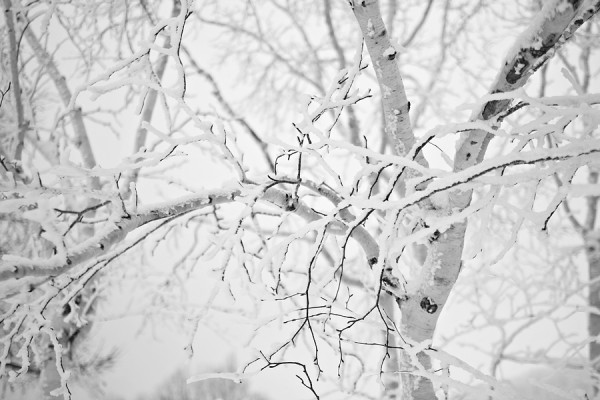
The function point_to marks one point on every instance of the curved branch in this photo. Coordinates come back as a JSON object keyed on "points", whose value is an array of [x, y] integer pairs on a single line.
{"points": [[15, 267]]}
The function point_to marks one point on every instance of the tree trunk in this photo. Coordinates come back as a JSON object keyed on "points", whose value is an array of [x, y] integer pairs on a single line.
{"points": [[592, 252], [422, 308], [415, 387], [392, 363], [49, 377]]}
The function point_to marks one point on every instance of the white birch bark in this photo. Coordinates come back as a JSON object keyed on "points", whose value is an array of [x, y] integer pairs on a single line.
{"points": [[399, 132], [422, 307], [383, 57]]}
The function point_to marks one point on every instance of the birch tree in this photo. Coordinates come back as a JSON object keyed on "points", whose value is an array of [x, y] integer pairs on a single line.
{"points": [[344, 228]]}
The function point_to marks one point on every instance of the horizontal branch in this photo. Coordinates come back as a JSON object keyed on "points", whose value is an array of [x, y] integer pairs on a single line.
{"points": [[15, 267], [455, 180]]}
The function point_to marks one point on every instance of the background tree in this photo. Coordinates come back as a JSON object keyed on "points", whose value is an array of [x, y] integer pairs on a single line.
{"points": [[344, 231]]}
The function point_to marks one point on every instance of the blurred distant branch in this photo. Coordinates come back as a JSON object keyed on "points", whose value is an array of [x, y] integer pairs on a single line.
{"points": [[353, 123], [60, 82], [14, 70], [289, 64], [419, 25], [229, 109], [332, 36]]}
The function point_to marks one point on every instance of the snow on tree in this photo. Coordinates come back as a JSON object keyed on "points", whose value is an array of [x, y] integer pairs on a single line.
{"points": [[333, 191]]}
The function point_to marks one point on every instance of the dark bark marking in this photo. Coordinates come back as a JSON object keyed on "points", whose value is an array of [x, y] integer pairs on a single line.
{"points": [[428, 305]]}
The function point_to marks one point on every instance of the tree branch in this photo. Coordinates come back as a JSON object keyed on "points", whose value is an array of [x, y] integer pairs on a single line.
{"points": [[549, 30], [12, 266], [14, 71]]}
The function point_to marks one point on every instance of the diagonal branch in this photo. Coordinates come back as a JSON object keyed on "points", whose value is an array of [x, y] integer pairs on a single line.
{"points": [[555, 24], [443, 263], [15, 267]]}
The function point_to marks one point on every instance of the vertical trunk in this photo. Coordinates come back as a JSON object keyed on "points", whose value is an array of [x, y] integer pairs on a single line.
{"points": [[414, 387], [14, 70], [422, 308], [49, 377], [592, 252], [392, 362]]}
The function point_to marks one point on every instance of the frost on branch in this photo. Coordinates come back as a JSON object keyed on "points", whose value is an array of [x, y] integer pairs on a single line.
{"points": [[348, 251]]}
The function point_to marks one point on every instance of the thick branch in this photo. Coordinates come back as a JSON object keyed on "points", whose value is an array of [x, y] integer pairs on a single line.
{"points": [[549, 30], [12, 266], [442, 266], [554, 25], [18, 267]]}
